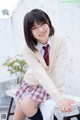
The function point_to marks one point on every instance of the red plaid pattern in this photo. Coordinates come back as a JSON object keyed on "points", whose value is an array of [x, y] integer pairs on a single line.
{"points": [[34, 92]]}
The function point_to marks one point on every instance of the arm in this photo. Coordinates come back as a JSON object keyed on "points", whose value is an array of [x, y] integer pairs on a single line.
{"points": [[61, 64], [65, 105]]}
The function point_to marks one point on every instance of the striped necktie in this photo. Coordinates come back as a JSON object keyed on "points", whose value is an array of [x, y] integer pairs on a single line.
{"points": [[46, 54]]}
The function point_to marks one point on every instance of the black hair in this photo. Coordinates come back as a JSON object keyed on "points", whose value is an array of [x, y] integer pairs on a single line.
{"points": [[30, 18]]}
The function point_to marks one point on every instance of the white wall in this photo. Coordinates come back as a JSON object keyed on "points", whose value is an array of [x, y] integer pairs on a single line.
{"points": [[13, 35], [65, 18], [70, 25]]}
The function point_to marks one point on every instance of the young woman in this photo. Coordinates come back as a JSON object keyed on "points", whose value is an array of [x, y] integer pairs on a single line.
{"points": [[46, 54]]}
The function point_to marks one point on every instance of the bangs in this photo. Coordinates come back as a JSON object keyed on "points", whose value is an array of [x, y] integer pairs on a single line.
{"points": [[37, 18]]}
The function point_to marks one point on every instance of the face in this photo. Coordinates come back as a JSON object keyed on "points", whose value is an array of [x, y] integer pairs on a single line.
{"points": [[41, 32]]}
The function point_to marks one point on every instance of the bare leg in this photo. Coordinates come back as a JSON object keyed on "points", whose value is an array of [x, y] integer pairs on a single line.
{"points": [[18, 115], [26, 107], [29, 107]]}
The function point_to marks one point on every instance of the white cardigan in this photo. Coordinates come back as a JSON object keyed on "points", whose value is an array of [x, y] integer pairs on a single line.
{"points": [[51, 77]]}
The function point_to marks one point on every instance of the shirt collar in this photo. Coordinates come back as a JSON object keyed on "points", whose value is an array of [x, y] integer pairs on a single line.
{"points": [[39, 45]]}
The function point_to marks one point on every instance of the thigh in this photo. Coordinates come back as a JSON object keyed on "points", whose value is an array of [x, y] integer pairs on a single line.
{"points": [[29, 106], [18, 115]]}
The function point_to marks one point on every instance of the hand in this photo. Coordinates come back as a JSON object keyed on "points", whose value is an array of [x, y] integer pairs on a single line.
{"points": [[65, 105]]}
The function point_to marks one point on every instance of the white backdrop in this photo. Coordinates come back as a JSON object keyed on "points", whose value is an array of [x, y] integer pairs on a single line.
{"points": [[65, 18]]}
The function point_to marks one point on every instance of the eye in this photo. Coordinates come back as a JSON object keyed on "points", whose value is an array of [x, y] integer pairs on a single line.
{"points": [[34, 27], [43, 23]]}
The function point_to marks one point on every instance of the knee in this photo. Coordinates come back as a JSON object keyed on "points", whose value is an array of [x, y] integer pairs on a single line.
{"points": [[28, 107]]}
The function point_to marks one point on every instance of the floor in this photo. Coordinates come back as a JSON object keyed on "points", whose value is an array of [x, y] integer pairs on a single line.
{"points": [[4, 111]]}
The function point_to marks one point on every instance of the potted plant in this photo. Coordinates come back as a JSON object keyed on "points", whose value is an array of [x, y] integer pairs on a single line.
{"points": [[16, 66]]}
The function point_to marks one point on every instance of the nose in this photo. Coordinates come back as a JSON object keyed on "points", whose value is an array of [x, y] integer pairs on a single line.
{"points": [[40, 28]]}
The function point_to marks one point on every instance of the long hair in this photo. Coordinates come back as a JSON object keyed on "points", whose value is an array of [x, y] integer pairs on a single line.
{"points": [[30, 18]]}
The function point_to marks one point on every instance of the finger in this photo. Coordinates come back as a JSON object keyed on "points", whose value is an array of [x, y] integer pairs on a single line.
{"points": [[63, 109], [69, 108], [66, 108]]}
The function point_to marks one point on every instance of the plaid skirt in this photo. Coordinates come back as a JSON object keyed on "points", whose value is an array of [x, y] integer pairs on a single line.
{"points": [[34, 92]]}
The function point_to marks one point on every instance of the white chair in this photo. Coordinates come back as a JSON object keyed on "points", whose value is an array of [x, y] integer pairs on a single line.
{"points": [[74, 113], [57, 114]]}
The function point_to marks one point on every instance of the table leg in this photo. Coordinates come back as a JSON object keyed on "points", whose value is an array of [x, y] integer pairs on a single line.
{"points": [[9, 111]]}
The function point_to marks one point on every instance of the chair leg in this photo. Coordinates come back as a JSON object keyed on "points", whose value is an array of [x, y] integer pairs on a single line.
{"points": [[66, 118], [78, 117], [9, 111], [55, 118]]}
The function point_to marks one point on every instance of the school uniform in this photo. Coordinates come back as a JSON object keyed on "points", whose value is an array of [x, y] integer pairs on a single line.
{"points": [[42, 82]]}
